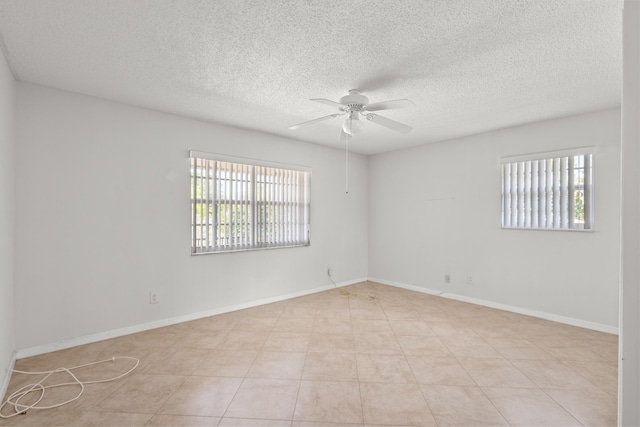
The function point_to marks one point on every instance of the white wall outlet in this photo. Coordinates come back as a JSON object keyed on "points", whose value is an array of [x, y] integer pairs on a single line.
{"points": [[469, 279], [154, 298], [447, 278]]}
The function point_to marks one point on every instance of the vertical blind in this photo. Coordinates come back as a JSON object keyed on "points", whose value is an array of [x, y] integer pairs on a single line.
{"points": [[548, 191], [239, 206]]}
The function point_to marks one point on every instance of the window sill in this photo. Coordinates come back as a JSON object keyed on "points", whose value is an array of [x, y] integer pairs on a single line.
{"points": [[570, 230], [250, 249]]}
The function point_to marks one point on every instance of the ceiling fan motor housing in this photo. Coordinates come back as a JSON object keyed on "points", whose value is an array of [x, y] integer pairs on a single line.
{"points": [[354, 101]]}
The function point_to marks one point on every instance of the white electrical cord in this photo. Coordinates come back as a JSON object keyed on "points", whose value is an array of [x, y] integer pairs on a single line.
{"points": [[15, 398]]}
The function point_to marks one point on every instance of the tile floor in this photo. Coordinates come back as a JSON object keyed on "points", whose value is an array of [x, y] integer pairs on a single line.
{"points": [[363, 355]]}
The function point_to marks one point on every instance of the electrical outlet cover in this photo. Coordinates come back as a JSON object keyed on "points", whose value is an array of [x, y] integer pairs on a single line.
{"points": [[154, 298]]}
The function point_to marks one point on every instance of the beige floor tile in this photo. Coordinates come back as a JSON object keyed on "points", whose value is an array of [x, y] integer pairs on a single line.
{"points": [[62, 418], [149, 356], [182, 421], [411, 327], [92, 395], [384, 368], [395, 404], [330, 366], [300, 311], [469, 346], [332, 326], [552, 374], [367, 313], [221, 322], [371, 325], [401, 313], [227, 363], [590, 407], [332, 343], [260, 398], [271, 364], [246, 422], [161, 337], [499, 332], [443, 329], [439, 370], [142, 393], [250, 323], [267, 310], [423, 346], [531, 353], [329, 401], [294, 324], [495, 373], [204, 339], [504, 342], [529, 407], [74, 356], [180, 361], [437, 317], [336, 312], [461, 406], [319, 424], [287, 341], [202, 396], [536, 328], [404, 340], [602, 374], [574, 353], [244, 340], [607, 350], [376, 343]]}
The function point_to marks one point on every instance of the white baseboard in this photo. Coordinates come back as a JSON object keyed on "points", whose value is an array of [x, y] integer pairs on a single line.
{"points": [[7, 376], [87, 339], [519, 310], [100, 336]]}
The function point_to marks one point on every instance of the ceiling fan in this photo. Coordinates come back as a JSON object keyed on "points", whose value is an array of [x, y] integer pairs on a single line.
{"points": [[356, 105]]}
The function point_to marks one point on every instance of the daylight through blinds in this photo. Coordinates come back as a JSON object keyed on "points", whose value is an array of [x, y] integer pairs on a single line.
{"points": [[238, 206], [550, 192]]}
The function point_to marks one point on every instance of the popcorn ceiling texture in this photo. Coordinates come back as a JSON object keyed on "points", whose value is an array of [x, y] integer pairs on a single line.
{"points": [[469, 66]]}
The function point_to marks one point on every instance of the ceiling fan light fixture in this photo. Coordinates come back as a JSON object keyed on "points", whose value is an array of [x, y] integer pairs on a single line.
{"points": [[352, 125], [355, 105]]}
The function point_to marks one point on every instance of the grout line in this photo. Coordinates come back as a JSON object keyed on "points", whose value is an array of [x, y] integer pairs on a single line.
{"points": [[354, 303]]}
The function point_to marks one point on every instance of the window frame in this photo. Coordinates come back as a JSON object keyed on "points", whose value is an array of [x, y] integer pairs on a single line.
{"points": [[558, 186], [255, 239]]}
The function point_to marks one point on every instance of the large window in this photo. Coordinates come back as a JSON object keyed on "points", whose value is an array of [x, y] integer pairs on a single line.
{"points": [[241, 204], [548, 190]]}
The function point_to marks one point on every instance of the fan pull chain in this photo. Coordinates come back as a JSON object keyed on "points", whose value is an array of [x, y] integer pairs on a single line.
{"points": [[346, 162]]}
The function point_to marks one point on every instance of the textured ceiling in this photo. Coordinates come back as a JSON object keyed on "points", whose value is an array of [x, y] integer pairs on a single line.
{"points": [[470, 66]]}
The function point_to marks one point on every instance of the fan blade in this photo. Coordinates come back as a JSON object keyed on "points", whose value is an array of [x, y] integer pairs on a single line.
{"points": [[388, 123], [389, 105], [321, 119], [329, 102]]}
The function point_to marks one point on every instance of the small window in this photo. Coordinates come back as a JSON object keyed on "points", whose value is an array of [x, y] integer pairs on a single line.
{"points": [[240, 204], [548, 190]]}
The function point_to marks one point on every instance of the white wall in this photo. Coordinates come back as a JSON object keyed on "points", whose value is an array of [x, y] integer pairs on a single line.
{"points": [[435, 209], [7, 207], [103, 217], [629, 366]]}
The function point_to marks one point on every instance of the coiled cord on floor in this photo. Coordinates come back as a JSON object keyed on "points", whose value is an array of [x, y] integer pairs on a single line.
{"points": [[15, 398]]}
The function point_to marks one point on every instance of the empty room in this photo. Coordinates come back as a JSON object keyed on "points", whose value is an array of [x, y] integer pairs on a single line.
{"points": [[319, 213]]}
